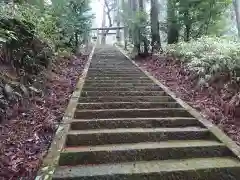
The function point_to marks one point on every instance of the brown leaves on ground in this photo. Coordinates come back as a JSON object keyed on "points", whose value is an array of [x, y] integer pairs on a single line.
{"points": [[26, 136], [219, 101]]}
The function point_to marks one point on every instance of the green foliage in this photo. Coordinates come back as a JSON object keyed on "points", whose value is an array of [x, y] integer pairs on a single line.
{"points": [[138, 26], [73, 18], [196, 18], [56, 23], [6, 36], [44, 24], [30, 30], [208, 55]]}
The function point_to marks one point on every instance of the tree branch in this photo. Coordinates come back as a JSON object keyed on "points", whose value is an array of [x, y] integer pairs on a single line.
{"points": [[108, 14]]}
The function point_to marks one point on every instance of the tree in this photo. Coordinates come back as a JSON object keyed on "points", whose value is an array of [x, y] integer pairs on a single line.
{"points": [[109, 7], [156, 41], [172, 21], [142, 28], [135, 29], [237, 14], [124, 13], [118, 19], [73, 20], [188, 19]]}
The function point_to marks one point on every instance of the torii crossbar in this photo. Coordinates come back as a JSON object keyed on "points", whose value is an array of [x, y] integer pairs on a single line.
{"points": [[109, 28]]}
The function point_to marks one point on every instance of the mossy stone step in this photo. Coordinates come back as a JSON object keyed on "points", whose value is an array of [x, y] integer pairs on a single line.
{"points": [[126, 99], [85, 124], [219, 168], [147, 151], [122, 93], [117, 78], [131, 113], [138, 88], [119, 81], [134, 135], [127, 105], [112, 69], [117, 84], [115, 75]]}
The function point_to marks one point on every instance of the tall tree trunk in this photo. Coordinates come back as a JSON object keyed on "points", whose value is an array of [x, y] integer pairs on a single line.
{"points": [[187, 24], [237, 13], [135, 35], [125, 30], [142, 37], [130, 14], [103, 39], [125, 37], [156, 41], [76, 40], [118, 36], [173, 30]]}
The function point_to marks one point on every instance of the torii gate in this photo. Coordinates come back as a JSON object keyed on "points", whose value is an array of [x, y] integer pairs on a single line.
{"points": [[106, 28]]}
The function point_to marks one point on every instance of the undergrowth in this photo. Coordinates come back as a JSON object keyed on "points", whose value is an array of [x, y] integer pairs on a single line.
{"points": [[208, 56]]}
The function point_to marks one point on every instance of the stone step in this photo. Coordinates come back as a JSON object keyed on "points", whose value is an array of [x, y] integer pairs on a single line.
{"points": [[111, 61], [118, 78], [117, 84], [113, 69], [116, 75], [85, 124], [122, 93], [134, 135], [128, 105], [118, 81], [217, 168], [102, 78], [104, 71], [115, 64], [133, 75], [121, 69], [147, 151], [126, 99], [138, 88], [131, 113]]}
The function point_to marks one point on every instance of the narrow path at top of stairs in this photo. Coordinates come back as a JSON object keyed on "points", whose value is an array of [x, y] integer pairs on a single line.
{"points": [[126, 127]]}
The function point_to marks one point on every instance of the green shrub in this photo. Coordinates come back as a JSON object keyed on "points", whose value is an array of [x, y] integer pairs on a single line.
{"points": [[208, 55]]}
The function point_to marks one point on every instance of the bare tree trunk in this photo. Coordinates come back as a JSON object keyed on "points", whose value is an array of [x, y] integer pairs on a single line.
{"points": [[103, 39], [156, 41], [125, 30], [135, 30], [142, 36], [76, 41], [173, 30], [130, 14], [187, 24], [125, 37], [118, 20], [237, 13]]}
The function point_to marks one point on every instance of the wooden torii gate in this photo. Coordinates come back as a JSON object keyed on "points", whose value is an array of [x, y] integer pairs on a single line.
{"points": [[109, 28], [103, 29]]}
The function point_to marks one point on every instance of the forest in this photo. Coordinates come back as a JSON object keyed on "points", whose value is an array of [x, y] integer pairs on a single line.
{"points": [[192, 46]]}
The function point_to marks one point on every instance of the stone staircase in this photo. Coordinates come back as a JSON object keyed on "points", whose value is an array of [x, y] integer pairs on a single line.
{"points": [[126, 127]]}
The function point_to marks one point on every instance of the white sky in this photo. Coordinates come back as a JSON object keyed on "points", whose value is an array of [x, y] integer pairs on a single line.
{"points": [[97, 6]]}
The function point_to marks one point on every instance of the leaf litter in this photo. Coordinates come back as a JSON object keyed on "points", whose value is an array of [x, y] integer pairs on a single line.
{"points": [[219, 102], [26, 136]]}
